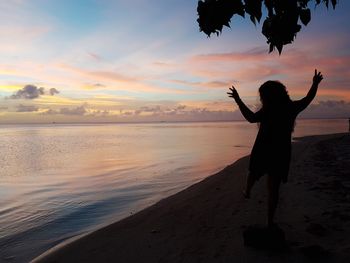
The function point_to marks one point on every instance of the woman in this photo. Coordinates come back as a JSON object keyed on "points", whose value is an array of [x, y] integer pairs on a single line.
{"points": [[272, 148]]}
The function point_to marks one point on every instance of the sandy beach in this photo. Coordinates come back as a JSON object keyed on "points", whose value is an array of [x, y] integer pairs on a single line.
{"points": [[205, 222]]}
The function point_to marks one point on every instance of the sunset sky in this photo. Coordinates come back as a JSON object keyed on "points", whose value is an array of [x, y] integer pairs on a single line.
{"points": [[145, 60]]}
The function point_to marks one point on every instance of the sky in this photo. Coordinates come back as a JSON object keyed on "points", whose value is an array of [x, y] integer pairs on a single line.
{"points": [[145, 60]]}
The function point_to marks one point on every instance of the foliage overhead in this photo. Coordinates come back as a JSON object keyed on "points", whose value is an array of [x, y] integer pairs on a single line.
{"points": [[280, 26]]}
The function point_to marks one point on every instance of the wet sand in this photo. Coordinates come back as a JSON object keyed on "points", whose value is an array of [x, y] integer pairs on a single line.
{"points": [[205, 222]]}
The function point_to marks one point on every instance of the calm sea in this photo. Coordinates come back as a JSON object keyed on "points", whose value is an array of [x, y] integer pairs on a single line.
{"points": [[57, 181]]}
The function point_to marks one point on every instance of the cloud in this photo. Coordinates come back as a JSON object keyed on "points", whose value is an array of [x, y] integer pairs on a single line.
{"points": [[77, 111], [100, 74], [162, 64], [220, 111], [151, 109], [208, 84], [120, 81], [294, 67], [93, 86], [127, 113], [159, 110], [26, 108], [30, 92], [146, 109], [328, 109], [101, 113], [223, 111], [194, 114], [99, 85], [181, 112], [80, 110], [94, 56], [53, 91], [251, 54]]}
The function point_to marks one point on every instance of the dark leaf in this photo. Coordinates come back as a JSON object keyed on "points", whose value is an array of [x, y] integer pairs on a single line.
{"points": [[269, 7], [227, 24], [280, 26], [252, 18], [334, 3], [279, 48], [326, 2], [303, 3], [305, 16], [253, 8]]}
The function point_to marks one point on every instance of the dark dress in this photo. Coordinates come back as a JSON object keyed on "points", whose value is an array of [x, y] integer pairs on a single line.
{"points": [[272, 148]]}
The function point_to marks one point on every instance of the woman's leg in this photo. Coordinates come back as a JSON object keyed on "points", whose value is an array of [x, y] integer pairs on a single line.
{"points": [[273, 185], [249, 185]]}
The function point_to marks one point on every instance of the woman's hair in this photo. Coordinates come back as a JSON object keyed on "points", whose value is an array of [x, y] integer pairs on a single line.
{"points": [[277, 104], [274, 95]]}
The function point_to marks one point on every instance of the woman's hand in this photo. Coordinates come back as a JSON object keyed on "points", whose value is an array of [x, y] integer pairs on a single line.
{"points": [[317, 77], [233, 93]]}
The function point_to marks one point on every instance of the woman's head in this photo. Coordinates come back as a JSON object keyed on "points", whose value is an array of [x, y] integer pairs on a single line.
{"points": [[273, 93]]}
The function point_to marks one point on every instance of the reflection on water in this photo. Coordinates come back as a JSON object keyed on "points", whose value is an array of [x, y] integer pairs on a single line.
{"points": [[60, 180]]}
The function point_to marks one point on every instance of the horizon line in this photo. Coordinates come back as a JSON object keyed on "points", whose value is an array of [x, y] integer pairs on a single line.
{"points": [[149, 122]]}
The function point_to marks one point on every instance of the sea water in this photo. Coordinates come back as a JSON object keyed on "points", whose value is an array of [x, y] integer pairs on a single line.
{"points": [[61, 180]]}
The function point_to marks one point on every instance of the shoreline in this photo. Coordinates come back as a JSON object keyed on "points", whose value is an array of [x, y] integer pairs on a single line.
{"points": [[204, 222]]}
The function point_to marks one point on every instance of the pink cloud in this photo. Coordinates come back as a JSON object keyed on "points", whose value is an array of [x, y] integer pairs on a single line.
{"points": [[104, 75], [120, 81], [94, 56], [209, 84], [252, 54], [294, 67]]}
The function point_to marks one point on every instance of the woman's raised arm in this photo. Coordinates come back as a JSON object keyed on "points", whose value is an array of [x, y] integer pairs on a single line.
{"points": [[246, 112], [304, 102]]}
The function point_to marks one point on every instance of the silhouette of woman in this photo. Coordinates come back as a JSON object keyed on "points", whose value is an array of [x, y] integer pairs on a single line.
{"points": [[272, 148]]}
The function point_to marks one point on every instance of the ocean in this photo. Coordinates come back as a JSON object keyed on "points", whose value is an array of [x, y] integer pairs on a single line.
{"points": [[61, 180]]}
